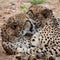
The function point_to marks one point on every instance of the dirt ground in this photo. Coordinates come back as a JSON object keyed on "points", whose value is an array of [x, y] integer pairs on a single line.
{"points": [[11, 7]]}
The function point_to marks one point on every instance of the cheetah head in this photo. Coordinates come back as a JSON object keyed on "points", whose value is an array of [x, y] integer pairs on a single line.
{"points": [[39, 17]]}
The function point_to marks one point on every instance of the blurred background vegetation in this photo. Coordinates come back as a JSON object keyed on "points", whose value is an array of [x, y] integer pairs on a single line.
{"points": [[33, 2]]}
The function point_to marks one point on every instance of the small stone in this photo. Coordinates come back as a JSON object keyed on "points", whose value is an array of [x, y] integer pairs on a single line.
{"points": [[11, 3]]}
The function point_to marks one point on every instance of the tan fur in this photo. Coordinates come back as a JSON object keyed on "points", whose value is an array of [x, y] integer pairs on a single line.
{"points": [[9, 30]]}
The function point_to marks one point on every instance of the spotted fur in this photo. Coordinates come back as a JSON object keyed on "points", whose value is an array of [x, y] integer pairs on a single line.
{"points": [[48, 40], [45, 44], [11, 30], [43, 29]]}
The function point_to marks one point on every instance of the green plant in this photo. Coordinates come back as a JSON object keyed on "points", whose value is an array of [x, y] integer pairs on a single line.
{"points": [[23, 7], [34, 2]]}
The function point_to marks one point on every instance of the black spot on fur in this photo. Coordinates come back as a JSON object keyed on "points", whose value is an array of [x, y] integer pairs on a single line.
{"points": [[51, 52], [46, 45], [33, 39], [37, 56]]}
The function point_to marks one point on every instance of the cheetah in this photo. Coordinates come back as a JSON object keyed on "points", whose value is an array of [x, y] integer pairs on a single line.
{"points": [[11, 29], [45, 43], [48, 40], [13, 26]]}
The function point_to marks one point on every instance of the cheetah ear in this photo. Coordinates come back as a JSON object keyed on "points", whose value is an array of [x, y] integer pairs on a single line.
{"points": [[26, 27], [47, 13]]}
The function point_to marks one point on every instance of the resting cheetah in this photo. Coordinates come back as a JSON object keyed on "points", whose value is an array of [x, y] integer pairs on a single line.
{"points": [[13, 26], [45, 43], [48, 40], [11, 29]]}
